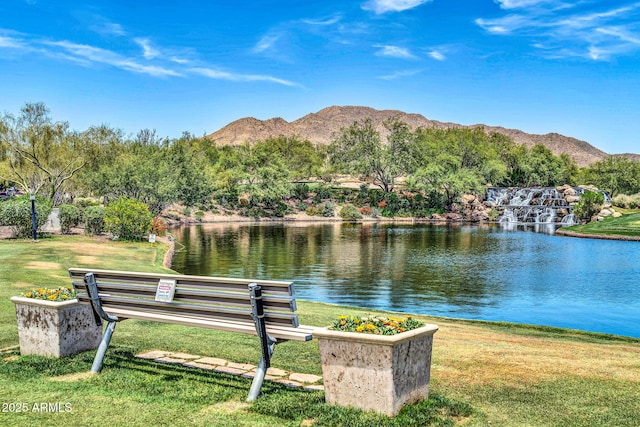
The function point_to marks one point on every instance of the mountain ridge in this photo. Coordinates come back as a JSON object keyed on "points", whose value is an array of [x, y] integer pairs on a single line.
{"points": [[320, 128]]}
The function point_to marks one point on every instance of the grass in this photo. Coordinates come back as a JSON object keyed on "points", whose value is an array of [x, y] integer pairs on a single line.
{"points": [[483, 373], [626, 225]]}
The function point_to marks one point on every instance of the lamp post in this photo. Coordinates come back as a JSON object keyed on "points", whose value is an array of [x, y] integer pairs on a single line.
{"points": [[33, 216]]}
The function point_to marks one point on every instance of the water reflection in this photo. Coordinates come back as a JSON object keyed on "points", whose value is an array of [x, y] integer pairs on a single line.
{"points": [[482, 272]]}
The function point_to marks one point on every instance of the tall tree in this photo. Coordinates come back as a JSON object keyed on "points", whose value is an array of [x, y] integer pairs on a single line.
{"points": [[360, 149], [616, 175], [39, 155]]}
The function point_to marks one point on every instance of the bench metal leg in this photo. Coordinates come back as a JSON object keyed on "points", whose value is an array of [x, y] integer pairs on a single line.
{"points": [[256, 384], [102, 349], [268, 343]]}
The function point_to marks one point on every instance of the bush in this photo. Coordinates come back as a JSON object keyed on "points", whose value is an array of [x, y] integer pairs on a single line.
{"points": [[300, 191], [328, 209], [350, 213], [627, 202], [128, 219], [69, 217], [322, 192], [94, 220], [590, 204], [313, 210], [16, 213], [365, 210], [159, 226], [83, 203], [199, 215]]}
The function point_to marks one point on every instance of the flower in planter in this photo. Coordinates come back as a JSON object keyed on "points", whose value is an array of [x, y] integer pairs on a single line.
{"points": [[378, 325], [63, 293]]}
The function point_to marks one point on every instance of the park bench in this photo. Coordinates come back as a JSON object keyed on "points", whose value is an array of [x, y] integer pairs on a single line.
{"points": [[265, 308]]}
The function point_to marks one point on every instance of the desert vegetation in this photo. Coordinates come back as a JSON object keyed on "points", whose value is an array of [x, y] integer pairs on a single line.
{"points": [[403, 173]]}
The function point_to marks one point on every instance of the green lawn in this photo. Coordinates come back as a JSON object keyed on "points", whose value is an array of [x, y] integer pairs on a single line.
{"points": [[483, 373], [626, 225]]}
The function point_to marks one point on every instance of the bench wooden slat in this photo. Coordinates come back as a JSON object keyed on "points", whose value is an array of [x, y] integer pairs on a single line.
{"points": [[194, 295], [109, 302], [204, 282], [297, 334]]}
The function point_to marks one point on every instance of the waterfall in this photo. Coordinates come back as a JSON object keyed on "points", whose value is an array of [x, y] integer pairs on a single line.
{"points": [[541, 205]]}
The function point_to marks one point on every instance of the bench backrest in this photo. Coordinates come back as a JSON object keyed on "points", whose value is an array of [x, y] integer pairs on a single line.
{"points": [[195, 296]]}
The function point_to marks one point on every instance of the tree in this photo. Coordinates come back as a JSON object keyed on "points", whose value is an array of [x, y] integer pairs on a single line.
{"points": [[360, 149], [616, 175], [542, 167], [590, 204], [37, 153], [445, 176]]}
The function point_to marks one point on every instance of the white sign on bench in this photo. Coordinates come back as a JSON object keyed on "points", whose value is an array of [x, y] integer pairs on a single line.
{"points": [[166, 290]]}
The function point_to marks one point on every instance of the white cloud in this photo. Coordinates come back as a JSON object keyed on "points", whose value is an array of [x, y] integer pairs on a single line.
{"points": [[384, 6], [224, 75], [400, 74], [519, 4], [266, 42], [580, 32], [10, 42], [437, 55], [87, 56], [179, 60], [104, 56], [147, 51], [394, 52], [102, 26], [329, 21]]}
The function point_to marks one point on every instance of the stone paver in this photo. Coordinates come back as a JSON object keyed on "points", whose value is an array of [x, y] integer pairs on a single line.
{"points": [[184, 356], [243, 366], [304, 378], [212, 361], [246, 370]]}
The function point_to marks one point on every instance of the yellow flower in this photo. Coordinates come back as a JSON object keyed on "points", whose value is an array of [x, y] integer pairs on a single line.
{"points": [[28, 294], [343, 317], [360, 328], [371, 326], [51, 297]]}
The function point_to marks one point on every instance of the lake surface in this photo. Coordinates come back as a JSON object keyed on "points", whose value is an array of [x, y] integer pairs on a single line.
{"points": [[462, 271]]}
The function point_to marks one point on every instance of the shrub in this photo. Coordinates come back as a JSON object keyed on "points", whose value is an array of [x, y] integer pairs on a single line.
{"points": [[128, 219], [627, 202], [94, 220], [69, 217], [313, 210], [199, 215], [300, 191], [322, 192], [16, 213], [328, 209], [365, 210], [159, 226], [350, 213], [590, 204], [82, 203]]}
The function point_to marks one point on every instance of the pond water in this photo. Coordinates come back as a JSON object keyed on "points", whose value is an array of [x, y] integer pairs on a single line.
{"points": [[463, 271]]}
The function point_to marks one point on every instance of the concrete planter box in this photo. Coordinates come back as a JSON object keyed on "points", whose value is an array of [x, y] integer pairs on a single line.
{"points": [[381, 373], [57, 329]]}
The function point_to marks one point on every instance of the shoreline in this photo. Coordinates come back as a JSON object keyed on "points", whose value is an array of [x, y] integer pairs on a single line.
{"points": [[568, 233]]}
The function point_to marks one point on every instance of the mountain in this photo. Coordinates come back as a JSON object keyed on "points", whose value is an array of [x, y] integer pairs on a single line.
{"points": [[320, 128]]}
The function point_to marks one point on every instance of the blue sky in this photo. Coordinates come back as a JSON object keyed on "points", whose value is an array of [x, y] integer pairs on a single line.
{"points": [[571, 67]]}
